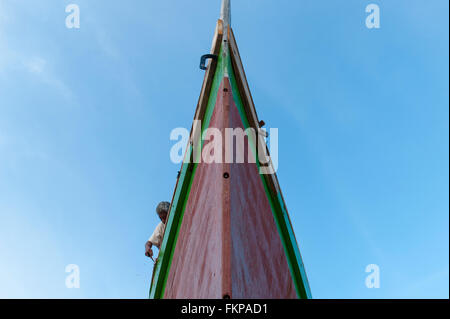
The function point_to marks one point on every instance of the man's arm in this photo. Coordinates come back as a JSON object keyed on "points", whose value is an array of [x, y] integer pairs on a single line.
{"points": [[154, 240], [148, 249]]}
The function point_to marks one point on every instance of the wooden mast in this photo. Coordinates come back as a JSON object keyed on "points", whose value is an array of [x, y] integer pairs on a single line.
{"points": [[225, 16], [225, 13]]}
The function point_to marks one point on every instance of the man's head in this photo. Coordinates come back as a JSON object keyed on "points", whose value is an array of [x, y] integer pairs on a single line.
{"points": [[162, 209]]}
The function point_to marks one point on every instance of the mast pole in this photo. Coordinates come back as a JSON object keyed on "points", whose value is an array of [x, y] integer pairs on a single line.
{"points": [[225, 16]]}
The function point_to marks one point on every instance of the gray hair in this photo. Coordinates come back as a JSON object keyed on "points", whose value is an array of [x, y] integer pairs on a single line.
{"points": [[162, 207]]}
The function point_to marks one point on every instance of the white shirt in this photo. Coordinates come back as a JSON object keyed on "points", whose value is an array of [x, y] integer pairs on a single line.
{"points": [[157, 236]]}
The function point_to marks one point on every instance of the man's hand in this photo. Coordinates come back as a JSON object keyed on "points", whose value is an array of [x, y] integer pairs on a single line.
{"points": [[148, 249]]}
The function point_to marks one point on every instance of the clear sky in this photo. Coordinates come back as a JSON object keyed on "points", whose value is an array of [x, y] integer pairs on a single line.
{"points": [[85, 118]]}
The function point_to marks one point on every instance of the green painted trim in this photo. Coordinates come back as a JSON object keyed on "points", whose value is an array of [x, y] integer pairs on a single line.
{"points": [[172, 228], [305, 288]]}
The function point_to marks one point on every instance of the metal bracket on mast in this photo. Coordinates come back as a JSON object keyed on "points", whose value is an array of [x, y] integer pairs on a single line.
{"points": [[204, 58]]}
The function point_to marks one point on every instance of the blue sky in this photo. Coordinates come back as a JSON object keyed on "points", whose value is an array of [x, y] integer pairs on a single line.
{"points": [[86, 114]]}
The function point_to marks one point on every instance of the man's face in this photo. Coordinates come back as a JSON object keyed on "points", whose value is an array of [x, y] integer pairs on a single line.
{"points": [[163, 216]]}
